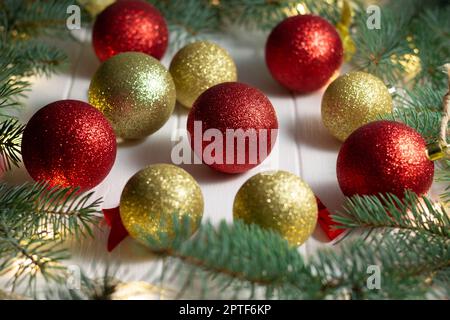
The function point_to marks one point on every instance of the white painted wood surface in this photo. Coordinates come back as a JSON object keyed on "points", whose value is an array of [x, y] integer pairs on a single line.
{"points": [[304, 147]]}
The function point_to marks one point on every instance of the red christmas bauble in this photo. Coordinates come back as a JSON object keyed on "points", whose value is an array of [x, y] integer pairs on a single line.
{"points": [[303, 52], [384, 156], [69, 143], [236, 118], [130, 25]]}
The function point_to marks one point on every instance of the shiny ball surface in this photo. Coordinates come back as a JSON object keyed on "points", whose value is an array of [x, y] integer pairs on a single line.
{"points": [[135, 92], [303, 52], [199, 66], [130, 25], [69, 143], [238, 109], [279, 201], [384, 156], [353, 100], [154, 195]]}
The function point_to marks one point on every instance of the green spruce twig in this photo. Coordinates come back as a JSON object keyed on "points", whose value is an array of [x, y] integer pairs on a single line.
{"points": [[34, 219], [10, 142], [388, 212], [244, 261]]}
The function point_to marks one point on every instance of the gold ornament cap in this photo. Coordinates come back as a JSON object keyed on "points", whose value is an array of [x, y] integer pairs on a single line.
{"points": [[154, 196], [280, 201], [437, 150], [353, 100], [199, 66], [135, 92], [94, 7]]}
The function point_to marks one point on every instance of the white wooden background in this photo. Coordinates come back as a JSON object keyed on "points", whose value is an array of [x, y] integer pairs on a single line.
{"points": [[304, 147]]}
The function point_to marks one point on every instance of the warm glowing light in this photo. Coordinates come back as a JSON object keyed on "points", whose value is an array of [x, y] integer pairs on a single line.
{"points": [[139, 290], [425, 215], [410, 63], [301, 9], [29, 265]]}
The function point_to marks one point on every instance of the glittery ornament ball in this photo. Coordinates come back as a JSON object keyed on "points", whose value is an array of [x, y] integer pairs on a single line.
{"points": [[384, 156], [199, 66], [153, 196], [303, 52], [279, 201], [130, 25], [353, 100], [135, 92], [69, 143], [242, 122]]}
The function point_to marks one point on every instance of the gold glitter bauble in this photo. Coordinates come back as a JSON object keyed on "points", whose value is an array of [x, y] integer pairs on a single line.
{"points": [[199, 66], [352, 100], [135, 92], [280, 201], [154, 195]]}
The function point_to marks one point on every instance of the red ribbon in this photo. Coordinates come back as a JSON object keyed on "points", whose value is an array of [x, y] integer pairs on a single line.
{"points": [[327, 224], [118, 231]]}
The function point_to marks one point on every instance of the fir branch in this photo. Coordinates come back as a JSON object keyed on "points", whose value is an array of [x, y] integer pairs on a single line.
{"points": [[264, 15], [59, 211], [24, 258], [420, 97], [34, 219], [242, 261], [24, 59], [421, 109], [258, 14], [407, 262], [413, 213], [188, 19], [432, 38], [377, 47], [247, 259], [423, 120], [29, 19], [193, 19], [21, 55], [10, 142], [407, 28]]}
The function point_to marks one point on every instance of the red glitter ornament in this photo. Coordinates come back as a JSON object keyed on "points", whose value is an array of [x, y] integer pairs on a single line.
{"points": [[69, 143], [236, 118], [130, 25], [303, 52], [384, 156]]}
